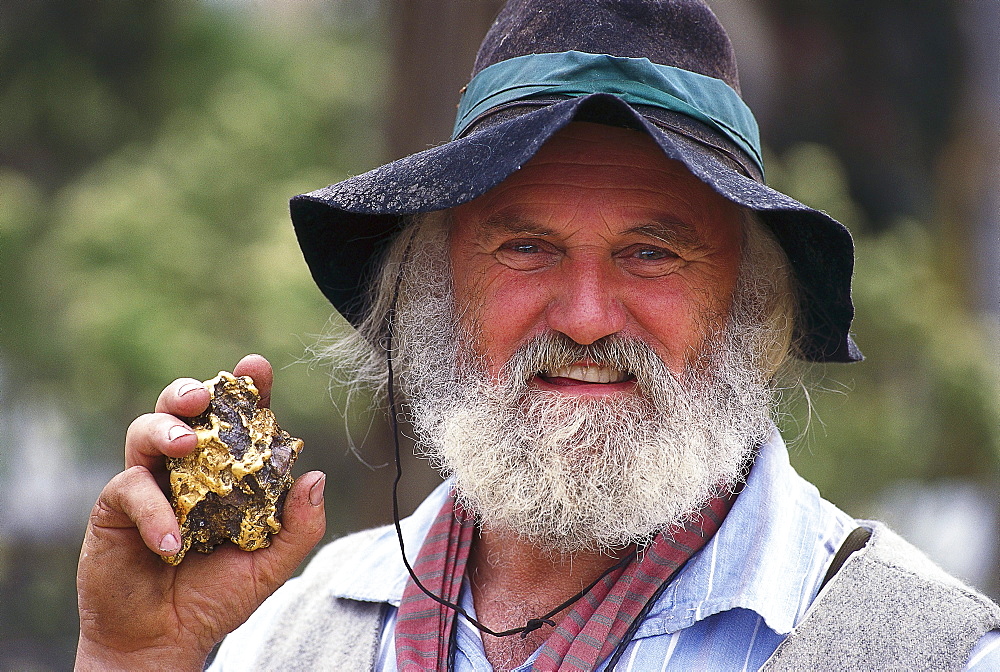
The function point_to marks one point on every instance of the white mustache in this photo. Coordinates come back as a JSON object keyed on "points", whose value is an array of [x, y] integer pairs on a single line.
{"points": [[612, 359]]}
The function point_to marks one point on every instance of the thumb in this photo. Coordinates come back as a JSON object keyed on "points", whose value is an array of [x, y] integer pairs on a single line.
{"points": [[303, 525]]}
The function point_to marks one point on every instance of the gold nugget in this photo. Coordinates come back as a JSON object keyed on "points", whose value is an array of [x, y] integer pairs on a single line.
{"points": [[233, 485]]}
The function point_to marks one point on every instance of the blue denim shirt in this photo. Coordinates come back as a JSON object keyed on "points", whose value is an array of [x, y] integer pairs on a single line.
{"points": [[728, 608]]}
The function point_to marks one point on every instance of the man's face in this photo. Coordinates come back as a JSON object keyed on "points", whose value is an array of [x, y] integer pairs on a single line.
{"points": [[572, 358], [598, 234]]}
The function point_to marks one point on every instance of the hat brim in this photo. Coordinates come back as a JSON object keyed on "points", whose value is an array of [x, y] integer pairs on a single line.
{"points": [[343, 228]]}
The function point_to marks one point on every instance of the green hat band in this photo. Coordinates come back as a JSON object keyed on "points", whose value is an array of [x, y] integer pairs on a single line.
{"points": [[637, 81]]}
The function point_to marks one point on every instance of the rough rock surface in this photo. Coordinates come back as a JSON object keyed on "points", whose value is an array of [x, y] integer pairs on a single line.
{"points": [[233, 485]]}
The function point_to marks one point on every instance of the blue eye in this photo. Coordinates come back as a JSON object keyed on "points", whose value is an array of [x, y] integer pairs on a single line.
{"points": [[650, 254], [526, 255]]}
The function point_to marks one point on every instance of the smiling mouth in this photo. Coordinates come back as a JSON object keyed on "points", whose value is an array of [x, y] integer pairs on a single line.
{"points": [[584, 373]]}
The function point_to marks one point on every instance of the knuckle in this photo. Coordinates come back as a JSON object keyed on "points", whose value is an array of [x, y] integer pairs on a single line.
{"points": [[108, 510], [141, 429], [101, 512], [132, 494], [140, 423]]}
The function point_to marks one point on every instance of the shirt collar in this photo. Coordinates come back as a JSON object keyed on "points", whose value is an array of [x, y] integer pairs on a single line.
{"points": [[769, 556]]}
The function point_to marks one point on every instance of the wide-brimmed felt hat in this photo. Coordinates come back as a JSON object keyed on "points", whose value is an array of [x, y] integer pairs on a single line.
{"points": [[663, 67]]}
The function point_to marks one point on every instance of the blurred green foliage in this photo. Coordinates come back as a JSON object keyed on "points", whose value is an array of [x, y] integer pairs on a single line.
{"points": [[171, 252], [925, 404]]}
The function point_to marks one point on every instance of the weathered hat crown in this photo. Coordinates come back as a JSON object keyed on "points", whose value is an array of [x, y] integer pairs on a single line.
{"points": [[681, 33]]}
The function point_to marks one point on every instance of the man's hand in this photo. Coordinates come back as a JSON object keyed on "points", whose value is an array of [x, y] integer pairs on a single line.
{"points": [[138, 612]]}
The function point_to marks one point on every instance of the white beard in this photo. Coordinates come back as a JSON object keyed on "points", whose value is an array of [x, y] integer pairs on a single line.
{"points": [[571, 474]]}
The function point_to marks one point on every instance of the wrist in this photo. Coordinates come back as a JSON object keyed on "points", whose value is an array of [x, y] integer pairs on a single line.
{"points": [[91, 656]]}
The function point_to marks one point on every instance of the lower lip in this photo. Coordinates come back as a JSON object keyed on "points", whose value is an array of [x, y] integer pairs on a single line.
{"points": [[572, 386]]}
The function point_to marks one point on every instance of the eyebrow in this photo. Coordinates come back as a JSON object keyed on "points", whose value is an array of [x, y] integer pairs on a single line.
{"points": [[506, 223], [670, 231]]}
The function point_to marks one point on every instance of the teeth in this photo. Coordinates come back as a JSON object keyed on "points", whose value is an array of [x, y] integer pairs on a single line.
{"points": [[588, 374]]}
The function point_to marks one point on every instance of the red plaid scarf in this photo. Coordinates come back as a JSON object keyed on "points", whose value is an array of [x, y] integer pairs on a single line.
{"points": [[590, 631]]}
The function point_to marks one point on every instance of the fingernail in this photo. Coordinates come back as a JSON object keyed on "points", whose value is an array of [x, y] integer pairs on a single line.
{"points": [[178, 431], [169, 543], [189, 387], [316, 491]]}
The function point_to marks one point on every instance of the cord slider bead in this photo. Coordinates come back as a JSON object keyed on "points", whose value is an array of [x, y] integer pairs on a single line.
{"points": [[534, 624]]}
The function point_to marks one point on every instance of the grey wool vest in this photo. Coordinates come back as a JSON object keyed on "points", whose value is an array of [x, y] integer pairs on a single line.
{"points": [[888, 608], [319, 632]]}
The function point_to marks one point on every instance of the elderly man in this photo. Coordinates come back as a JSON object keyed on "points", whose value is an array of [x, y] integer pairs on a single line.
{"points": [[584, 299]]}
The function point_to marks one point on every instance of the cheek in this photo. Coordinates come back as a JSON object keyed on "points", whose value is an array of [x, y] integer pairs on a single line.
{"points": [[676, 316], [664, 320], [500, 312]]}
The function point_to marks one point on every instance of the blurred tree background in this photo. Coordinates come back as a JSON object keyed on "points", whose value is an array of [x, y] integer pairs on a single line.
{"points": [[147, 152]]}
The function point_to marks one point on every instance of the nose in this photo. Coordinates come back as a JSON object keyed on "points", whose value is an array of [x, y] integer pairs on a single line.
{"points": [[585, 306]]}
